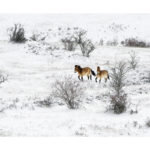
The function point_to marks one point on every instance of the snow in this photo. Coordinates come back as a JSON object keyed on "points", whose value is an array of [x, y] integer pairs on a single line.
{"points": [[30, 77]]}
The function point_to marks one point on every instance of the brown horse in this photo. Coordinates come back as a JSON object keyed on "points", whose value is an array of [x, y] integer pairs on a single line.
{"points": [[84, 71], [101, 74]]}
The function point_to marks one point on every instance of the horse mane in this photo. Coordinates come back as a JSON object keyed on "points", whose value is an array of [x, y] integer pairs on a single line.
{"points": [[98, 68], [79, 68]]}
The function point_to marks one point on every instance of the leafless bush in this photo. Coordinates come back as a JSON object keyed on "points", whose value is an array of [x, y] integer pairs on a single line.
{"points": [[68, 90], [134, 42], [135, 108], [149, 77], [45, 103], [17, 33], [114, 42], [85, 44], [148, 123], [80, 35], [38, 36], [87, 47], [69, 43], [2, 78], [133, 62], [34, 37], [118, 102]]}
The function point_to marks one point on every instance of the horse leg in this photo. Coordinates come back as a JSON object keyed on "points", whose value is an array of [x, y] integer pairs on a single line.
{"points": [[105, 80], [90, 77], [82, 78], [79, 77], [100, 80], [96, 79]]}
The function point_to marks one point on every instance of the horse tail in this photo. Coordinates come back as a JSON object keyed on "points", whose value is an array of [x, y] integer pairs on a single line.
{"points": [[93, 73]]}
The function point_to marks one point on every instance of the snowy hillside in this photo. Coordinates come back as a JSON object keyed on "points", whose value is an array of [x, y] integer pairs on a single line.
{"points": [[31, 69]]}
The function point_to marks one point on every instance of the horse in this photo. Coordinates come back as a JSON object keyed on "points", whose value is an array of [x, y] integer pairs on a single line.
{"points": [[84, 71], [101, 74]]}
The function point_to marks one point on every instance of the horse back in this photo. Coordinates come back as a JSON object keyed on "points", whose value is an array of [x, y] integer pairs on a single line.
{"points": [[86, 70]]}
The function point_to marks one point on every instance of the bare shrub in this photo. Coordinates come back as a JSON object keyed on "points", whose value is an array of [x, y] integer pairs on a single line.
{"points": [[118, 100], [45, 103], [135, 109], [38, 36], [146, 78], [114, 42], [148, 123], [2, 78], [118, 104], [17, 33], [149, 77], [34, 37], [68, 90], [87, 47], [133, 62], [85, 44], [69, 43], [134, 42]]}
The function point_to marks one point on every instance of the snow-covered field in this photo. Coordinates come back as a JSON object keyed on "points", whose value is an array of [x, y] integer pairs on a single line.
{"points": [[31, 70]]}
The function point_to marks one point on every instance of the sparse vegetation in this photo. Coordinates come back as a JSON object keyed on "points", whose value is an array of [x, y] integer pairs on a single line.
{"points": [[134, 42], [77, 37], [68, 90], [114, 42], [133, 62], [38, 36], [17, 34], [45, 103]]}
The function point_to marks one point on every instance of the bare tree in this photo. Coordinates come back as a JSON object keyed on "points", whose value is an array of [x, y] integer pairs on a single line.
{"points": [[69, 90], [85, 44], [119, 97]]}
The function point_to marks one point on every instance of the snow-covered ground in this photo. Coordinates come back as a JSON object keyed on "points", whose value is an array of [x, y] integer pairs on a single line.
{"points": [[31, 74]]}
